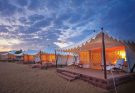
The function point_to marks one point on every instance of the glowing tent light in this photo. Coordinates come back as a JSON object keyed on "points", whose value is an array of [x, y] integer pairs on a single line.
{"points": [[123, 55]]}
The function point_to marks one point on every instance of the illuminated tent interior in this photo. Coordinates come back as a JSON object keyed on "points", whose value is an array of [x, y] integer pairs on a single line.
{"points": [[29, 55], [48, 55], [90, 51], [93, 58], [45, 57]]}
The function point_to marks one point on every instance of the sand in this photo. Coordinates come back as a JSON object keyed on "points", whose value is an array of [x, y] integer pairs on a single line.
{"points": [[20, 78]]}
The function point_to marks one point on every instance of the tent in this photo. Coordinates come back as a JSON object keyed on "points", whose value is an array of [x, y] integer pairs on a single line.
{"points": [[48, 55], [91, 53], [4, 56], [29, 56], [12, 55]]}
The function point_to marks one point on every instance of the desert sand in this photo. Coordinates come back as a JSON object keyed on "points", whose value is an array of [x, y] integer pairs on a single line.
{"points": [[20, 78]]}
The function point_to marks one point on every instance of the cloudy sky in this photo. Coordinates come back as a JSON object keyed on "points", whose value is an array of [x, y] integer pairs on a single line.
{"points": [[32, 24]]}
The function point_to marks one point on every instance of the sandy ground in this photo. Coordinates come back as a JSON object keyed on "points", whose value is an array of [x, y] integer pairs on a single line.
{"points": [[19, 78]]}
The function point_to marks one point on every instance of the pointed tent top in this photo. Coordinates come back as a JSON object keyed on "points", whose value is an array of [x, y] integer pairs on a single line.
{"points": [[89, 39]]}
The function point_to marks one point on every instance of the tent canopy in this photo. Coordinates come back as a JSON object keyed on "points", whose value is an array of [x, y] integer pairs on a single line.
{"points": [[31, 52], [95, 42], [13, 52]]}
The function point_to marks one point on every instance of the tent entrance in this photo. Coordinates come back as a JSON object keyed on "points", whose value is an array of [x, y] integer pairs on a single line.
{"points": [[115, 53], [93, 58]]}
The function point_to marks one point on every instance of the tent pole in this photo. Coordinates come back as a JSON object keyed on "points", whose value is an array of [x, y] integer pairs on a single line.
{"points": [[103, 54], [67, 60], [40, 57], [56, 58], [28, 58], [23, 58], [90, 58]]}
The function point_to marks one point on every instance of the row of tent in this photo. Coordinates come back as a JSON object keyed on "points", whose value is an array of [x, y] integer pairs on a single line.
{"points": [[88, 52], [33, 56]]}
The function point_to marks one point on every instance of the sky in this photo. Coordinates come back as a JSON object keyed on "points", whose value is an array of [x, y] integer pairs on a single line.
{"points": [[37, 24]]}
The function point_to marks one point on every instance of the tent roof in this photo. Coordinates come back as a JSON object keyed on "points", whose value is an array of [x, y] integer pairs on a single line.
{"points": [[13, 52], [94, 41], [31, 52], [21, 54]]}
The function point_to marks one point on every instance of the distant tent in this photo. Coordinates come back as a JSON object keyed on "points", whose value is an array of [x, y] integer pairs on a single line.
{"points": [[29, 56], [13, 56], [90, 51], [4, 56], [48, 55]]}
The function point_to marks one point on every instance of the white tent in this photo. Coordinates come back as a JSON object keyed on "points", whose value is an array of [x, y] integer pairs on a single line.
{"points": [[13, 52], [90, 44], [66, 58]]}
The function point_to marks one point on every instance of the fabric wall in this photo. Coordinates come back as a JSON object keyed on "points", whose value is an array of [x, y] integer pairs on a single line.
{"points": [[84, 58], [25, 58], [29, 58], [93, 58], [61, 60], [51, 58], [71, 60], [44, 58], [4, 57], [11, 56], [48, 57], [67, 59], [130, 52]]}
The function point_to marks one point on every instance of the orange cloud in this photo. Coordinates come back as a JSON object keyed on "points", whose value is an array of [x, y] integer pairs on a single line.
{"points": [[2, 49]]}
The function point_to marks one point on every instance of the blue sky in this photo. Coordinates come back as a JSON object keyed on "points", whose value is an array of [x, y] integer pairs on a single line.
{"points": [[32, 24]]}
